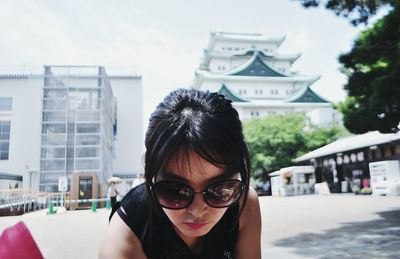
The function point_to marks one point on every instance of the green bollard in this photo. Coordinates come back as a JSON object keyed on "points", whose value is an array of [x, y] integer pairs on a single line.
{"points": [[94, 206], [108, 203], [51, 209]]}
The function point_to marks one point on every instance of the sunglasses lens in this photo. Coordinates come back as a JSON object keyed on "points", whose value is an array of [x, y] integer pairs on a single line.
{"points": [[173, 195], [223, 194]]}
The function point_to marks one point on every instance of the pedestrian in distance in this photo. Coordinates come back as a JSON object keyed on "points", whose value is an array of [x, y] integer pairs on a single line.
{"points": [[112, 193], [196, 201]]}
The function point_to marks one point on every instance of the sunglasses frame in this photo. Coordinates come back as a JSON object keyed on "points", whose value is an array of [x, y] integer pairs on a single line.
{"points": [[204, 192]]}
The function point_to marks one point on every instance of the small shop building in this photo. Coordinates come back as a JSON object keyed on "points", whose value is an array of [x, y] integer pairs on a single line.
{"points": [[345, 163]]}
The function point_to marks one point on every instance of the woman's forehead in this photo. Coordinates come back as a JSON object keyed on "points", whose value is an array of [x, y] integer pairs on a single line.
{"points": [[190, 164]]}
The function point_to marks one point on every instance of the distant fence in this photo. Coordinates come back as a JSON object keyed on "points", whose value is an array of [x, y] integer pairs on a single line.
{"points": [[26, 200], [19, 201]]}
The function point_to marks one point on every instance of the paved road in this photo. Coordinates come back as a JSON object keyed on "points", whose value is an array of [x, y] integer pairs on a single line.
{"points": [[345, 226], [332, 226]]}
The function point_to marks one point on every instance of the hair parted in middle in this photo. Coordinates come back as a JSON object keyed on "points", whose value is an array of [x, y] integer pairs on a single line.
{"points": [[200, 121]]}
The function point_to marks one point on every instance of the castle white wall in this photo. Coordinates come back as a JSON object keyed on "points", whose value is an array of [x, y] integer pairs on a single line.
{"points": [[257, 89], [325, 116]]}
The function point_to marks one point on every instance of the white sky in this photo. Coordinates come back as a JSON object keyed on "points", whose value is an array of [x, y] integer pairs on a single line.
{"points": [[164, 40]]}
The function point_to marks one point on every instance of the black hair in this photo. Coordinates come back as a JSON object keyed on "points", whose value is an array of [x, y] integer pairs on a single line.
{"points": [[200, 121]]}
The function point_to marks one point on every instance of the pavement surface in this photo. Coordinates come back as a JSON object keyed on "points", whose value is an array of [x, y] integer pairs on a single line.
{"points": [[311, 226]]}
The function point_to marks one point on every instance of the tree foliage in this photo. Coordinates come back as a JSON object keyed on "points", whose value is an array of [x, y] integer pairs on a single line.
{"points": [[274, 141], [373, 69], [357, 11], [372, 66]]}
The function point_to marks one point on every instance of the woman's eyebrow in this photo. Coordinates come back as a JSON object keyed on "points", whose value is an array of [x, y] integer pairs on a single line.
{"points": [[224, 175]]}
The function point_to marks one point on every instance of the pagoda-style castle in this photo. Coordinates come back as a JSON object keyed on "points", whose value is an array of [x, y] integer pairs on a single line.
{"points": [[247, 69]]}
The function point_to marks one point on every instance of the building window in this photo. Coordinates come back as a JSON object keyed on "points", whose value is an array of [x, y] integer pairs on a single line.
{"points": [[221, 68], [242, 91], [4, 139], [254, 113], [5, 104]]}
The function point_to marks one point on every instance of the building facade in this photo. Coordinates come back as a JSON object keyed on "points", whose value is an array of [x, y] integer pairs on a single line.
{"points": [[69, 119], [248, 69]]}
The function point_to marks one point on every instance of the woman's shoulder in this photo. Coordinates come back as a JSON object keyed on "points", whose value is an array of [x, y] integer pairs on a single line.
{"points": [[135, 198], [251, 208], [133, 209], [249, 241]]}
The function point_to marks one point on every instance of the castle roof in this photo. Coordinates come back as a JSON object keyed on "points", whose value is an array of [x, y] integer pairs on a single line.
{"points": [[228, 93], [208, 55], [256, 67], [306, 95], [250, 37]]}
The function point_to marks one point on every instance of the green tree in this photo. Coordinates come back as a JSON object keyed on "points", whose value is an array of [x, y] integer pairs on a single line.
{"points": [[373, 69], [372, 66], [274, 141], [357, 11]]}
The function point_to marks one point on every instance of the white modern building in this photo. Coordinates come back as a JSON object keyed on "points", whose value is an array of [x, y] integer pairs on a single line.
{"points": [[69, 119], [248, 69]]}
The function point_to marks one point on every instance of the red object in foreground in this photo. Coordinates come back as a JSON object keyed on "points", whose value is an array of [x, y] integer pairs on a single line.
{"points": [[17, 242]]}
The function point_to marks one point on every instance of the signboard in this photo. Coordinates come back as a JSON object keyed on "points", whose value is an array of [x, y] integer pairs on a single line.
{"points": [[62, 184], [385, 176]]}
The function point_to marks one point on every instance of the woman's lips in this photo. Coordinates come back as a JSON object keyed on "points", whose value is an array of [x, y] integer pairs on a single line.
{"points": [[195, 225]]}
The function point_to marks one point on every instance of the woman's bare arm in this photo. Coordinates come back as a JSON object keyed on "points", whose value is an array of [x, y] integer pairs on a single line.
{"points": [[248, 245], [120, 242]]}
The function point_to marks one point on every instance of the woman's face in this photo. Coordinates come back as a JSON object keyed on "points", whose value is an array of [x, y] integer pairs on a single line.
{"points": [[199, 218]]}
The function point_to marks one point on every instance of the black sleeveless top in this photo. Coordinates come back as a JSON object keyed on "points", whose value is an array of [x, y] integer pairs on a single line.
{"points": [[160, 241]]}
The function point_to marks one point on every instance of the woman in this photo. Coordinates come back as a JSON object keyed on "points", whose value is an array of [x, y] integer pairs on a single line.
{"points": [[196, 201]]}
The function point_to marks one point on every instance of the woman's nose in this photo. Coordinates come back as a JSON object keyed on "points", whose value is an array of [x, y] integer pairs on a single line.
{"points": [[198, 206]]}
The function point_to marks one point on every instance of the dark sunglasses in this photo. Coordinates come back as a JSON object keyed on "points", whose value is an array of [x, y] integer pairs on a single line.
{"points": [[176, 195]]}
